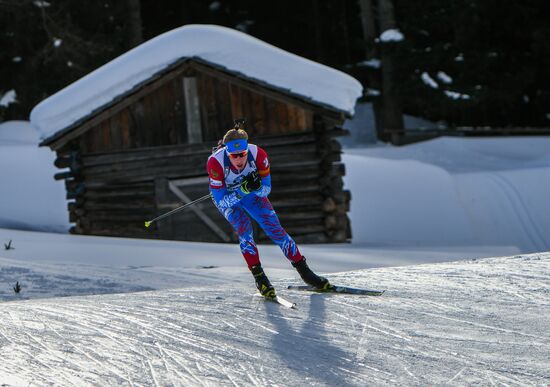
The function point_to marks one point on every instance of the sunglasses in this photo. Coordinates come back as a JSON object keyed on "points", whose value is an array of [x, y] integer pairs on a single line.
{"points": [[238, 155]]}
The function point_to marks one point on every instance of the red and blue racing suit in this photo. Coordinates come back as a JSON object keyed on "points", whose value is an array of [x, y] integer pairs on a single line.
{"points": [[237, 207]]}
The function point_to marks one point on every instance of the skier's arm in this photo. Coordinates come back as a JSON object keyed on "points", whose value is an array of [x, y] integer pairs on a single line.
{"points": [[263, 169], [221, 195], [265, 189], [223, 198]]}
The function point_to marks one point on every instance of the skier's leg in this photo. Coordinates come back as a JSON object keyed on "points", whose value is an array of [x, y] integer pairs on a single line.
{"points": [[238, 218], [262, 211]]}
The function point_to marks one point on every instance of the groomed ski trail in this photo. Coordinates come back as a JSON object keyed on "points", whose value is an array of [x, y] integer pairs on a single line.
{"points": [[469, 322]]}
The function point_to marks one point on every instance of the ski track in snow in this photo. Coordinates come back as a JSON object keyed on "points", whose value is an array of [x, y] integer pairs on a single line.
{"points": [[462, 323], [521, 210]]}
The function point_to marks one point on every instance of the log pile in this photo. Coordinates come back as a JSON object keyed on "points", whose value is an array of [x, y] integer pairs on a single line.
{"points": [[113, 193]]}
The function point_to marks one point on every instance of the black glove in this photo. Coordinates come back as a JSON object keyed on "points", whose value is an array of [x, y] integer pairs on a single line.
{"points": [[251, 183]]}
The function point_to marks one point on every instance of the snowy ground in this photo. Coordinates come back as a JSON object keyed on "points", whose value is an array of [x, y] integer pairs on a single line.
{"points": [[462, 323], [452, 192]]}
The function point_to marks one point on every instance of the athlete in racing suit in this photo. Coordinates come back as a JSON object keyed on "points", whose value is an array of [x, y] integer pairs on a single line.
{"points": [[240, 183]]}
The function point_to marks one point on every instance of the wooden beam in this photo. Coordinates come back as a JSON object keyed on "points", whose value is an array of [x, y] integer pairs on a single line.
{"points": [[265, 89], [164, 227], [209, 222], [118, 104], [192, 110], [191, 181]]}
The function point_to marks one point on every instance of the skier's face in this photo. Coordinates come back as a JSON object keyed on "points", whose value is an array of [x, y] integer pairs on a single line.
{"points": [[238, 160]]}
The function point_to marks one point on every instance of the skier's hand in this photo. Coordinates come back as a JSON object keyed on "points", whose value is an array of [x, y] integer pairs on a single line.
{"points": [[251, 183]]}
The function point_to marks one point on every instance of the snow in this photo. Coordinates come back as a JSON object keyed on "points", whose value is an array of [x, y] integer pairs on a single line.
{"points": [[372, 92], [391, 35], [234, 50], [214, 6], [243, 27], [462, 323], [31, 198], [455, 95], [374, 63], [429, 80], [8, 98], [41, 4], [362, 125], [18, 132], [467, 192], [445, 227], [444, 77]]}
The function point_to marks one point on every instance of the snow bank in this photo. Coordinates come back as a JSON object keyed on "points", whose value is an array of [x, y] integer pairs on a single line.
{"points": [[392, 35], [234, 50], [18, 133], [8, 98], [452, 191], [30, 198]]}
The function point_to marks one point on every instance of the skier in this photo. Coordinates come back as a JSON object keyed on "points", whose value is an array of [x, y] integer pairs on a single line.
{"points": [[240, 183]]}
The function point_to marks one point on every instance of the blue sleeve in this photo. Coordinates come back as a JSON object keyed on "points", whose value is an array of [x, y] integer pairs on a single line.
{"points": [[223, 198], [265, 189]]}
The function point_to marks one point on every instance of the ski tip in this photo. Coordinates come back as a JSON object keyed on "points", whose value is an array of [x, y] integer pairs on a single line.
{"points": [[279, 300]]}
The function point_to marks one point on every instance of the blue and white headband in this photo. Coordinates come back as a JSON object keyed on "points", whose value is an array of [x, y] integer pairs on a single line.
{"points": [[236, 146]]}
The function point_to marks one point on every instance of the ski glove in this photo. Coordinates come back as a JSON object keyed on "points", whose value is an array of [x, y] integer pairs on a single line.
{"points": [[251, 183], [224, 199]]}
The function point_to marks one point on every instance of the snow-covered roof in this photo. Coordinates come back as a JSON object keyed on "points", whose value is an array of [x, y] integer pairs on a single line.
{"points": [[233, 50]]}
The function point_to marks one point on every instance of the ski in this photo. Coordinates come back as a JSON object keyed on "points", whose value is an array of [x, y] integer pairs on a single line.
{"points": [[279, 300], [284, 302], [339, 289]]}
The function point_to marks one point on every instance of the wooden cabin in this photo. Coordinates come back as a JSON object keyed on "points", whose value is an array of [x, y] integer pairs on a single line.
{"points": [[144, 153]]}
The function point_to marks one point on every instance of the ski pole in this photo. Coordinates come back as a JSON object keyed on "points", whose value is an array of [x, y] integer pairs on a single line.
{"points": [[182, 207]]}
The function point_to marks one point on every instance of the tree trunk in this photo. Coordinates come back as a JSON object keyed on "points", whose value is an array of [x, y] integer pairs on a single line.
{"points": [[369, 28], [368, 23], [392, 117], [135, 25], [318, 28], [345, 33]]}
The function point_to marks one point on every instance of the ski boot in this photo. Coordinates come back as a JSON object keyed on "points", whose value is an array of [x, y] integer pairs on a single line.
{"points": [[309, 277], [262, 282]]}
